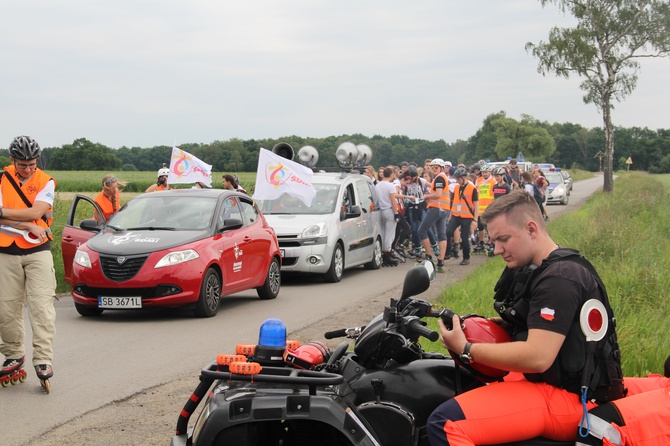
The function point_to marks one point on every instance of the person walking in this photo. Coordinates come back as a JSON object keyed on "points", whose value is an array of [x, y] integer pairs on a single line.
{"points": [[539, 298], [26, 266], [109, 198], [484, 186], [464, 213], [501, 187]]}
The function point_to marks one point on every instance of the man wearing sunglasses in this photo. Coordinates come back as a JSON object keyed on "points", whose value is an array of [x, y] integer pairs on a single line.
{"points": [[26, 265]]}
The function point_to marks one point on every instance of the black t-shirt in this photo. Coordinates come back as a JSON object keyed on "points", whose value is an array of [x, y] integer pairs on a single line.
{"points": [[501, 189]]}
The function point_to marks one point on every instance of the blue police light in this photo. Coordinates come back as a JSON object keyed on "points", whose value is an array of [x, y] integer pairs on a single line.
{"points": [[272, 333]]}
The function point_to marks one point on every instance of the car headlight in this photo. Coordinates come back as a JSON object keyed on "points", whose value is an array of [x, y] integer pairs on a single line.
{"points": [[317, 230], [177, 257], [81, 258], [559, 190]]}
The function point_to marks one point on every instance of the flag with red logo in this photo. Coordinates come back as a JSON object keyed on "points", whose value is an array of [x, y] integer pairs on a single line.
{"points": [[186, 168], [277, 175]]}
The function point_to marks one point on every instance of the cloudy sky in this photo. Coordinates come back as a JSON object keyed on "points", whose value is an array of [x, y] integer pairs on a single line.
{"points": [[152, 72]]}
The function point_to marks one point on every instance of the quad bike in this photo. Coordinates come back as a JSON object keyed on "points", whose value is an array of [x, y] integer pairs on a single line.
{"points": [[379, 394]]}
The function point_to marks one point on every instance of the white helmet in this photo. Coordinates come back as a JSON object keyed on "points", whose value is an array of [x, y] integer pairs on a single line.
{"points": [[447, 164], [163, 172], [437, 162]]}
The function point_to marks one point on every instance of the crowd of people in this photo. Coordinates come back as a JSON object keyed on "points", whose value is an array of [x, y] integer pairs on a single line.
{"points": [[435, 209]]}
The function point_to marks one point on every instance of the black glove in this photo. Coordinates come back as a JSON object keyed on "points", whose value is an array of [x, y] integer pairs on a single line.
{"points": [[398, 216]]}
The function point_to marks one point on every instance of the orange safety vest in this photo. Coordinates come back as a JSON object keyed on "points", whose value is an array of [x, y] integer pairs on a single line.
{"points": [[444, 201], [12, 200], [163, 187], [485, 189], [463, 207], [106, 204]]}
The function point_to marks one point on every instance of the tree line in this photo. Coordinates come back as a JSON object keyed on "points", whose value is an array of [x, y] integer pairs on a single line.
{"points": [[500, 137]]}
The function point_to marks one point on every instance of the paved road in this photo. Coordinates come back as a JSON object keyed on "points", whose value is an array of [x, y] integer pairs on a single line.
{"points": [[111, 358]]}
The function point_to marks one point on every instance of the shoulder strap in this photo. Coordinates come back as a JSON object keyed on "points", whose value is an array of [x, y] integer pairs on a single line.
{"points": [[20, 192]]}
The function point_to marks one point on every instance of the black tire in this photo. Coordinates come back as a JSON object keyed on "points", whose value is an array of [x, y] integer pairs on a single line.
{"points": [[334, 273], [210, 295], [270, 288], [565, 199], [376, 261], [87, 311]]}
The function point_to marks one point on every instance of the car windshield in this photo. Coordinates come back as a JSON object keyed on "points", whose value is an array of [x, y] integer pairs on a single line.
{"points": [[554, 177], [323, 203], [183, 213]]}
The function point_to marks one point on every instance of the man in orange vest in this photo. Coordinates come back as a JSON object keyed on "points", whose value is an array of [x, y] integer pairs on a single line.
{"points": [[162, 182], [26, 265], [464, 213], [437, 213], [484, 185]]}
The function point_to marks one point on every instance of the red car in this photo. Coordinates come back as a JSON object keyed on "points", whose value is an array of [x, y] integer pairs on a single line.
{"points": [[174, 248]]}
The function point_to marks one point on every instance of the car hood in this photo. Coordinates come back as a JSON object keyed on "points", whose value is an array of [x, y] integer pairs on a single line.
{"points": [[294, 224], [140, 241]]}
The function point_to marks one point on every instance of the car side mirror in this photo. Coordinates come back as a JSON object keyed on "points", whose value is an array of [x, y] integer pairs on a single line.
{"points": [[231, 223], [90, 224], [354, 212]]}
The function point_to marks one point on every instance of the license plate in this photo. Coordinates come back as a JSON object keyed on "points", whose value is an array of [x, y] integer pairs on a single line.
{"points": [[282, 253], [119, 302]]}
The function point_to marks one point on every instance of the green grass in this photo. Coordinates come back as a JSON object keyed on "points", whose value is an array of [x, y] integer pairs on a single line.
{"points": [[625, 235], [91, 180]]}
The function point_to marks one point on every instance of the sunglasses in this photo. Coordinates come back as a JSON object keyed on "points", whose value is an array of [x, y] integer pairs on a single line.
{"points": [[110, 181]]}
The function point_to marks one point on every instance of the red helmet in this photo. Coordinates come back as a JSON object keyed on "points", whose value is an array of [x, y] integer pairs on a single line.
{"points": [[479, 329], [307, 356]]}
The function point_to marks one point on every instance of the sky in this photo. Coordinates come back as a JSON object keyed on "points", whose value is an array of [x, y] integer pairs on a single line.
{"points": [[144, 73]]}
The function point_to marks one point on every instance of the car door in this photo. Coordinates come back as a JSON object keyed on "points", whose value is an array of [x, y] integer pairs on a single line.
{"points": [[236, 256], [257, 241], [370, 217], [84, 212]]}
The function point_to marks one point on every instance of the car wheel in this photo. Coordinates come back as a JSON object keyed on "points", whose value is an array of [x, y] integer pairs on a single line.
{"points": [[564, 200], [210, 295], [376, 261], [87, 311], [270, 288], [334, 273]]}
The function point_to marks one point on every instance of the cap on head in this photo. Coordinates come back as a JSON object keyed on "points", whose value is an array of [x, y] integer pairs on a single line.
{"points": [[512, 161], [24, 148]]}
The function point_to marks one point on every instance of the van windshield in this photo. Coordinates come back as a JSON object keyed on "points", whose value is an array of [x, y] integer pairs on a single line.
{"points": [[323, 203]]}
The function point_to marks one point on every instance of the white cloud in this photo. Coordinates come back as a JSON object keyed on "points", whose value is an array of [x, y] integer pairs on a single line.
{"points": [[142, 73]]}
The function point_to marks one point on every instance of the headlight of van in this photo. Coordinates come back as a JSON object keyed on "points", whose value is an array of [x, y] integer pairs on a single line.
{"points": [[317, 230]]}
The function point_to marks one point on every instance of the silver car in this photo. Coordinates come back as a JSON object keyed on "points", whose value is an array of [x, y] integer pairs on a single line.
{"points": [[340, 230], [558, 191]]}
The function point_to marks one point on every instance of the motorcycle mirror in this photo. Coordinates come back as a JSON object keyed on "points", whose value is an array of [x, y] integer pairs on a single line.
{"points": [[417, 279]]}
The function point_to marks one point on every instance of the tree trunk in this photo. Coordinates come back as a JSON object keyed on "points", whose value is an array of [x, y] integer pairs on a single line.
{"points": [[608, 180]]}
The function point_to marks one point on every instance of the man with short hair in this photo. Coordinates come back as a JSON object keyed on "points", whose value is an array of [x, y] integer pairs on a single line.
{"points": [[540, 297], [437, 213], [26, 264], [514, 172]]}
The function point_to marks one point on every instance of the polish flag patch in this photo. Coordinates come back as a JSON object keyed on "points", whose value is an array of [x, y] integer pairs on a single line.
{"points": [[547, 314]]}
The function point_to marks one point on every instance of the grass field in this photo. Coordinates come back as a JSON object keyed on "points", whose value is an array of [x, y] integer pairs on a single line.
{"points": [[625, 236]]}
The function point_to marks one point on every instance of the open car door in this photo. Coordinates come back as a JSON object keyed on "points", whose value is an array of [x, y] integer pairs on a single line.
{"points": [[82, 209]]}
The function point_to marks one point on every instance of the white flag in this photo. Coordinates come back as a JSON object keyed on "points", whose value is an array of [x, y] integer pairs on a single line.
{"points": [[186, 168], [277, 175]]}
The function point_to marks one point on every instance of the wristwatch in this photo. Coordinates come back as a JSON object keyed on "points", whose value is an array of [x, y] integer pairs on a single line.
{"points": [[466, 357]]}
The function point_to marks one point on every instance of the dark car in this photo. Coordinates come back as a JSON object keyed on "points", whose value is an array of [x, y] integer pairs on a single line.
{"points": [[173, 248]]}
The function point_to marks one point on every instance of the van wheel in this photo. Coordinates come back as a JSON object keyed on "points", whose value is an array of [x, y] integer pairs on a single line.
{"points": [[210, 295], [334, 273], [376, 261]]}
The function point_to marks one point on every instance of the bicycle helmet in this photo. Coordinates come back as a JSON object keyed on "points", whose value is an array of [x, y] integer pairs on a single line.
{"points": [[163, 172], [437, 162], [24, 148], [460, 172], [447, 164], [498, 171], [486, 168], [475, 167], [413, 171]]}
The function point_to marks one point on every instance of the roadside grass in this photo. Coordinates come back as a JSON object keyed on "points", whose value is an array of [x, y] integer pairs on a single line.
{"points": [[625, 236]]}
